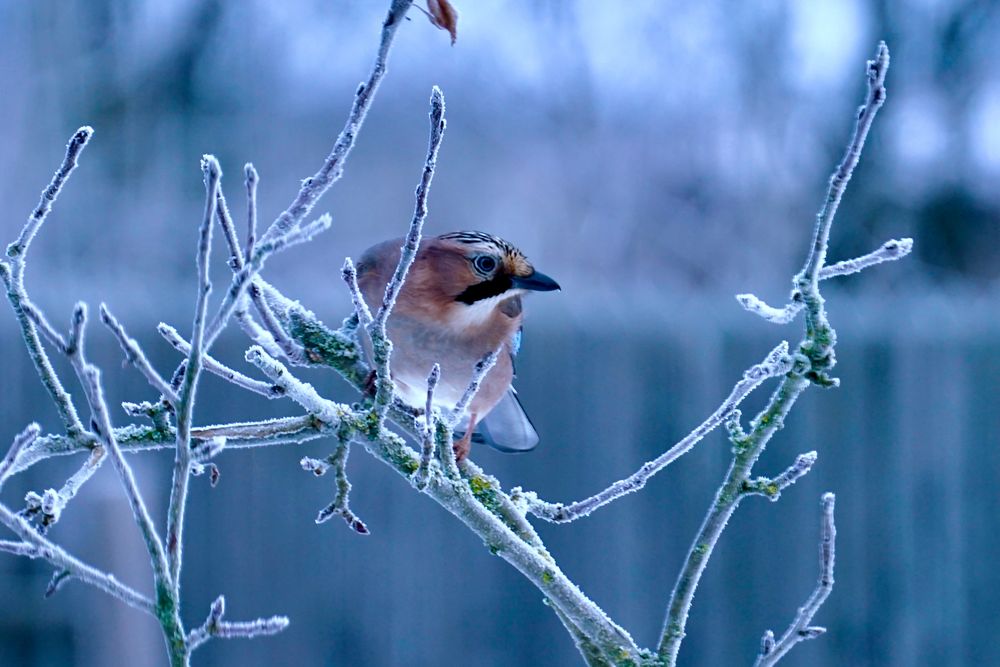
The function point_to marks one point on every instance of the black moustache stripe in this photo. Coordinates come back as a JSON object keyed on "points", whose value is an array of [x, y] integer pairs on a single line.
{"points": [[486, 289]]}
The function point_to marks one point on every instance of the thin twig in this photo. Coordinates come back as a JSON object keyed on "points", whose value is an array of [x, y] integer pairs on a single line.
{"points": [[135, 356], [37, 317], [772, 488], [133, 438], [19, 248], [251, 185], [889, 251], [58, 580], [50, 505], [186, 398], [302, 393], [40, 547], [13, 278], [212, 365], [341, 503], [237, 262], [427, 449], [479, 372], [91, 380], [776, 363], [214, 626], [256, 333], [876, 71], [228, 231], [17, 297], [800, 630], [19, 549], [292, 351], [21, 440], [350, 276], [315, 186], [381, 346]]}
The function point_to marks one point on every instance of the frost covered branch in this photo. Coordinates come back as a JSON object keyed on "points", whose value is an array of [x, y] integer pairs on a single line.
{"points": [[775, 364], [811, 364], [887, 252], [12, 275], [800, 630]]}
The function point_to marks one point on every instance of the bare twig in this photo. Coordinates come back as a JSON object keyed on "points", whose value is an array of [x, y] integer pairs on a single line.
{"points": [[19, 549], [427, 449], [214, 626], [776, 363], [876, 71], [237, 262], [266, 433], [800, 630], [38, 546], [251, 185], [38, 318], [228, 231], [315, 186], [48, 507], [381, 346], [135, 356], [185, 404], [479, 372], [814, 358], [292, 351], [13, 278], [341, 503], [350, 275], [58, 580], [19, 248], [772, 488], [218, 368], [254, 331], [889, 251], [91, 380], [302, 393], [21, 440]]}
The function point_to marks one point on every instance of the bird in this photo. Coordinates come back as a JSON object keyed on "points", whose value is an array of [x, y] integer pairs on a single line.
{"points": [[461, 301]]}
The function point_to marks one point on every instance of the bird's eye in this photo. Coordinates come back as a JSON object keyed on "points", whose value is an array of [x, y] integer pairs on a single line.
{"points": [[485, 264]]}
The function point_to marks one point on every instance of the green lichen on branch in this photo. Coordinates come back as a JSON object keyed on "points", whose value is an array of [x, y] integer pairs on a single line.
{"points": [[485, 489]]}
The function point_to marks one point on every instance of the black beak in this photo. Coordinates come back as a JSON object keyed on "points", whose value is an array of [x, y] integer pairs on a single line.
{"points": [[536, 282]]}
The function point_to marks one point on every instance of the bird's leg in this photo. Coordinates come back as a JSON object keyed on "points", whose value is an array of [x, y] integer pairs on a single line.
{"points": [[464, 444]]}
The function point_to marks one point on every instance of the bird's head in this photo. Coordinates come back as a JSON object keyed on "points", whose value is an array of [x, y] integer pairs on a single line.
{"points": [[475, 267]]}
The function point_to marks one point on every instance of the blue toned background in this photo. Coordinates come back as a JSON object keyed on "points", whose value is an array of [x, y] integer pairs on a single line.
{"points": [[655, 159]]}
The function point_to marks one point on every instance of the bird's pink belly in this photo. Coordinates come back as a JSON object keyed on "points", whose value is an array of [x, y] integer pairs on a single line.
{"points": [[416, 350]]}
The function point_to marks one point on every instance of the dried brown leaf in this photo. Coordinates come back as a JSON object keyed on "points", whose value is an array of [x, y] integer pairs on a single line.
{"points": [[443, 15]]}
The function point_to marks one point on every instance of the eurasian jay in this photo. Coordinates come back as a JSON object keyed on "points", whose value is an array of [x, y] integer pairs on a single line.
{"points": [[461, 301]]}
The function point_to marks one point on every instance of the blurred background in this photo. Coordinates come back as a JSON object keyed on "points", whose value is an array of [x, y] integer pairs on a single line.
{"points": [[655, 158]]}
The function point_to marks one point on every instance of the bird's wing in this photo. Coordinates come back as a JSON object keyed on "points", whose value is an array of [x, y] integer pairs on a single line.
{"points": [[507, 427]]}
